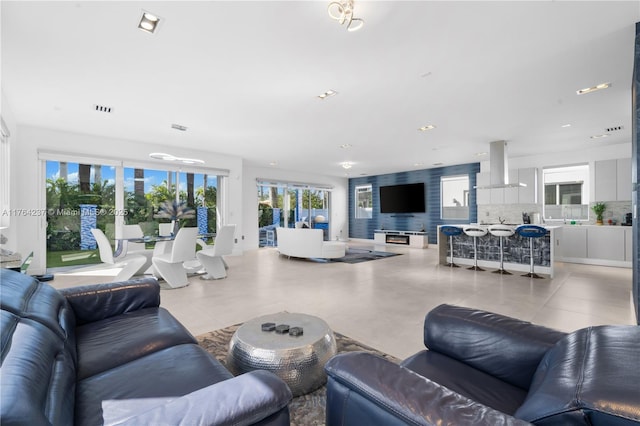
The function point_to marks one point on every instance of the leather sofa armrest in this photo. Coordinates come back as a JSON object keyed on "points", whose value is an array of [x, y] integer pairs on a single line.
{"points": [[502, 346], [96, 302], [366, 389], [244, 400]]}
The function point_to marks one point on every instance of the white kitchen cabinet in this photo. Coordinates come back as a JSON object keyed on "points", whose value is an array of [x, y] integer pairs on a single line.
{"points": [[511, 195], [623, 179], [483, 196], [613, 180], [573, 243], [528, 194], [628, 244], [605, 177], [497, 195], [605, 242]]}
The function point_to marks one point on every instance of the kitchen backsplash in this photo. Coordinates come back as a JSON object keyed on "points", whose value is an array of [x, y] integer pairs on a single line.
{"points": [[512, 213]]}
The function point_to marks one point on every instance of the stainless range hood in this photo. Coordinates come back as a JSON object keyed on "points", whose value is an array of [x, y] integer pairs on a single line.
{"points": [[499, 167]]}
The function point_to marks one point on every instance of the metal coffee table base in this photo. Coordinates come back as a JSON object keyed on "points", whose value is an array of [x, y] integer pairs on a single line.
{"points": [[298, 360]]}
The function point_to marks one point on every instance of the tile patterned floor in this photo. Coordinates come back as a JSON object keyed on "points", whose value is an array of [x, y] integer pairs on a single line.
{"points": [[382, 303]]}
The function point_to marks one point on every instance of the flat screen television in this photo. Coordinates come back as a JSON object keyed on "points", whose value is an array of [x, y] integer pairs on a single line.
{"points": [[407, 198]]}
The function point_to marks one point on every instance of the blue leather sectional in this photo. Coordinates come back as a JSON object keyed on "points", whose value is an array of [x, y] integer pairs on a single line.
{"points": [[482, 368], [109, 354]]}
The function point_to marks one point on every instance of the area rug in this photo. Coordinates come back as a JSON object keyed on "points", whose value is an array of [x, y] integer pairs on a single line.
{"points": [[306, 410], [358, 255]]}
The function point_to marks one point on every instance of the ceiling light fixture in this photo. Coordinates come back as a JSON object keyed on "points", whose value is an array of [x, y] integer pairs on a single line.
{"points": [[593, 88], [179, 127], [347, 165], [327, 94], [168, 157], [481, 154], [148, 22], [427, 127], [566, 125], [599, 136], [342, 11], [345, 146]]}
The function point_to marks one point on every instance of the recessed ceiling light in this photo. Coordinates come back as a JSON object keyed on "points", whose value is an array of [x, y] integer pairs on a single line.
{"points": [[179, 127], [480, 154], [345, 146], [327, 94], [566, 125], [438, 164], [148, 22], [347, 165], [273, 163], [418, 164], [599, 136], [593, 88], [427, 127]]}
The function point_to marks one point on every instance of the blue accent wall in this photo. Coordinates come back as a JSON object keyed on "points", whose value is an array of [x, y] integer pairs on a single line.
{"points": [[429, 221]]}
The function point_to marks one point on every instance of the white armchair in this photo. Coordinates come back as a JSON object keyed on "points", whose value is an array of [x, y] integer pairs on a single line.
{"points": [[131, 264], [170, 266], [211, 258]]}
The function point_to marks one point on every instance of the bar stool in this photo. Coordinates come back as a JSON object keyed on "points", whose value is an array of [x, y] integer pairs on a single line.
{"points": [[531, 232], [475, 232], [451, 231], [501, 231]]}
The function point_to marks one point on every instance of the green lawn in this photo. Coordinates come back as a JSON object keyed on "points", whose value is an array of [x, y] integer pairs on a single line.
{"points": [[56, 259]]}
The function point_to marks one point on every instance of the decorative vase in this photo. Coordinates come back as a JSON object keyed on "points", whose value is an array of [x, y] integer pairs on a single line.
{"points": [[599, 221]]}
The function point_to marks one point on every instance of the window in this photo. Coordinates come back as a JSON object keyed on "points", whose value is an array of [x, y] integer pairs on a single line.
{"points": [[566, 193], [364, 202], [454, 191]]}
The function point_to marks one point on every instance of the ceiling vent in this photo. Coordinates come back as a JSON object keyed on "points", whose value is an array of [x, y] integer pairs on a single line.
{"points": [[613, 129], [179, 127], [102, 108]]}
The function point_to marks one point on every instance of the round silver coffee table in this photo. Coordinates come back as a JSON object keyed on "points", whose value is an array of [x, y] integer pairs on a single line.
{"points": [[298, 360]]}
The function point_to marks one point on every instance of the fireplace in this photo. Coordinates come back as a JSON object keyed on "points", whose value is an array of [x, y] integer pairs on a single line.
{"points": [[397, 239]]}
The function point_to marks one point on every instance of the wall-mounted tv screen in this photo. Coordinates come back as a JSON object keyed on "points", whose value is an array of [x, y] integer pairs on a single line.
{"points": [[408, 198]]}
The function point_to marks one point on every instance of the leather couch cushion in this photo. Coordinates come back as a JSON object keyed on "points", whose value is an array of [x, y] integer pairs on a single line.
{"points": [[467, 381], [114, 341], [37, 373], [171, 372], [589, 378], [27, 297], [504, 347]]}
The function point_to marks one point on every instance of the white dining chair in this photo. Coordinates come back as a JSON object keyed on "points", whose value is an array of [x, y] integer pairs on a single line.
{"points": [[130, 247], [211, 258], [171, 266], [130, 264]]}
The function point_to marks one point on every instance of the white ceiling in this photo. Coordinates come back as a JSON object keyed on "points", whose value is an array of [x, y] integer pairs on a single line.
{"points": [[243, 77]]}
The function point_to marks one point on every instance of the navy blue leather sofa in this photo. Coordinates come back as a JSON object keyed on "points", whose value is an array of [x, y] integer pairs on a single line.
{"points": [[482, 368], [108, 354]]}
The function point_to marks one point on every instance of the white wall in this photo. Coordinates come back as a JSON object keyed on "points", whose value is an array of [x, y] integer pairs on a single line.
{"points": [[9, 120], [339, 199]]}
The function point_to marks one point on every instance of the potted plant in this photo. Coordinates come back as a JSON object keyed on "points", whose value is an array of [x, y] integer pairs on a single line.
{"points": [[598, 209]]}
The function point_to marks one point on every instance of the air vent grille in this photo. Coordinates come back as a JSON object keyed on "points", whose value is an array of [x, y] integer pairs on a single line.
{"points": [[179, 127], [613, 129], [102, 108]]}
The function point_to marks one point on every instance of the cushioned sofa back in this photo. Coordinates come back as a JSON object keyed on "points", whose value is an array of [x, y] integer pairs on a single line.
{"points": [[592, 377], [38, 353], [300, 242], [504, 347]]}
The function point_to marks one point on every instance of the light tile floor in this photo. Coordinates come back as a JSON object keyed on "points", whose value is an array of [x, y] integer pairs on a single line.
{"points": [[382, 303]]}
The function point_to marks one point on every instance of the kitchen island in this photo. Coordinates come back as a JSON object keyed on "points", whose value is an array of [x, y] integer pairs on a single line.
{"points": [[516, 251]]}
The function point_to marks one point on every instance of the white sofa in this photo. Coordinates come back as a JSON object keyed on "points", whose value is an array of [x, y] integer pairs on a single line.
{"points": [[308, 243]]}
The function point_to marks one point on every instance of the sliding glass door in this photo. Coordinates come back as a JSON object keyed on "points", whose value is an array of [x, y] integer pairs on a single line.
{"points": [[82, 196], [291, 205]]}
